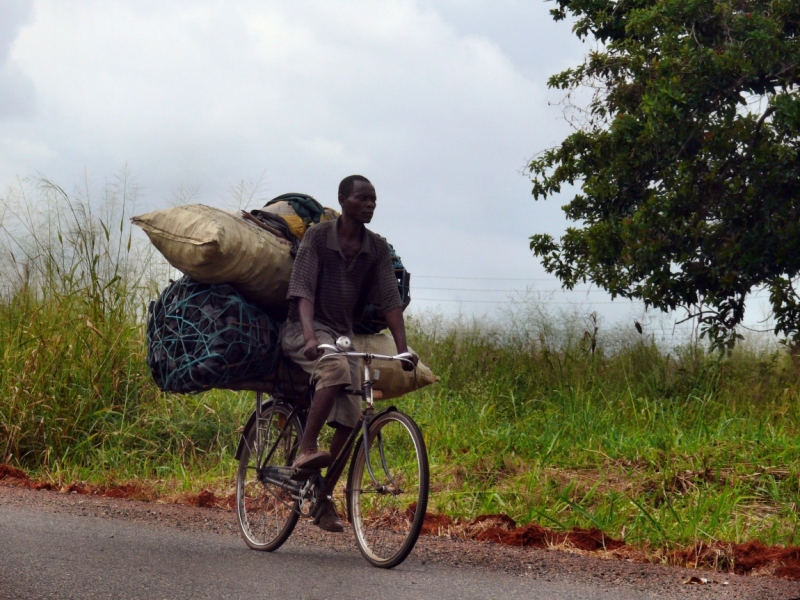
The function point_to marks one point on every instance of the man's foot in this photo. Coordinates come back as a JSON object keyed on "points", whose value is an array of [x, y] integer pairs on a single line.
{"points": [[329, 520], [312, 459]]}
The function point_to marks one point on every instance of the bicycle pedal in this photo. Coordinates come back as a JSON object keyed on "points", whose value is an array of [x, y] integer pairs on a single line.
{"points": [[303, 474]]}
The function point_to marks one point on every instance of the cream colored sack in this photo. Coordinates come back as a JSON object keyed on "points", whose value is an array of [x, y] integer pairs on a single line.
{"points": [[393, 381], [213, 246]]}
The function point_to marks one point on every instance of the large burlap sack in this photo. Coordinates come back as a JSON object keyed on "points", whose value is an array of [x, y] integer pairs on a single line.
{"points": [[392, 381], [213, 246]]}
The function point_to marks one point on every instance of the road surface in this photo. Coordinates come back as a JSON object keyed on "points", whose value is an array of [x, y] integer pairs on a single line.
{"points": [[66, 546]]}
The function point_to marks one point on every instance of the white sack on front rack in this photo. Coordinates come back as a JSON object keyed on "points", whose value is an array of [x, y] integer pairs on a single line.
{"points": [[393, 381]]}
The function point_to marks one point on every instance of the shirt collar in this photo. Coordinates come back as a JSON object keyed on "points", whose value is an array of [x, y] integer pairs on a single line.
{"points": [[333, 239]]}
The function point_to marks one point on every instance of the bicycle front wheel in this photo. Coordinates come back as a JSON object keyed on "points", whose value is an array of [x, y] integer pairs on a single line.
{"points": [[267, 512], [387, 517]]}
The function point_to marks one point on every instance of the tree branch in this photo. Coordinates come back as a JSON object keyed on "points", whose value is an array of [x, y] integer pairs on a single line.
{"points": [[757, 134]]}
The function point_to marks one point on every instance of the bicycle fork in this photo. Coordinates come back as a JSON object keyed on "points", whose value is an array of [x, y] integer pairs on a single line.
{"points": [[368, 418]]}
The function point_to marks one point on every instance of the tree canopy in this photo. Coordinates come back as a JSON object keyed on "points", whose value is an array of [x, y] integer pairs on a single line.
{"points": [[686, 157]]}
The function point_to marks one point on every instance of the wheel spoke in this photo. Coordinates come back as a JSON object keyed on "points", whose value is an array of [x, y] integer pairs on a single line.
{"points": [[266, 511], [387, 523]]}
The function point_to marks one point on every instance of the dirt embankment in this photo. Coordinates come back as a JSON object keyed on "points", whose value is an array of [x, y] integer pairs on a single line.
{"points": [[743, 559]]}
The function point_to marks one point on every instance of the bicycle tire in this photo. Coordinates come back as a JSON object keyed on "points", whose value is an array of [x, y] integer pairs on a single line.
{"points": [[387, 525], [266, 513]]}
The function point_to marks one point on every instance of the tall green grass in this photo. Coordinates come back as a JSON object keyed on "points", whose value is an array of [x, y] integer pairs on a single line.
{"points": [[550, 418], [654, 446], [74, 389]]}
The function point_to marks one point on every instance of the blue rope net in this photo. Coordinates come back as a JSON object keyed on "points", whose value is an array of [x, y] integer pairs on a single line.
{"points": [[201, 336]]}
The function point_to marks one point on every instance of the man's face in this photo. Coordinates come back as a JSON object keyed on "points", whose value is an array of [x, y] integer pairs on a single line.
{"points": [[360, 204]]}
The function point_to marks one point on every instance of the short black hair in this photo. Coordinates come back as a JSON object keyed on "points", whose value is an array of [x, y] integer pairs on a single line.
{"points": [[348, 183]]}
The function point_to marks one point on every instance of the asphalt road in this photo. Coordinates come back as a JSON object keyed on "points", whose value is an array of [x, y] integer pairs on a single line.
{"points": [[57, 545], [46, 555]]}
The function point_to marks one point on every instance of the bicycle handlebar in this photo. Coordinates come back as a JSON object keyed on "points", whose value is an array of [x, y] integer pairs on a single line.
{"points": [[342, 348], [406, 356]]}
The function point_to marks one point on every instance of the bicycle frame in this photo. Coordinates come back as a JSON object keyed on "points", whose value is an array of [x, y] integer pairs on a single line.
{"points": [[368, 414], [336, 469]]}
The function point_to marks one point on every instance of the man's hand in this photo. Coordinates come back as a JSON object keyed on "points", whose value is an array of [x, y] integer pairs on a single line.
{"points": [[310, 350], [407, 366]]}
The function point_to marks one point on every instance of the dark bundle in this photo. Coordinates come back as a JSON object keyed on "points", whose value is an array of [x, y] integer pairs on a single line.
{"points": [[369, 321], [201, 336]]}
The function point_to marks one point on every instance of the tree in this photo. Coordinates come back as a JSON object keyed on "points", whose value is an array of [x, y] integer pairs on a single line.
{"points": [[686, 157]]}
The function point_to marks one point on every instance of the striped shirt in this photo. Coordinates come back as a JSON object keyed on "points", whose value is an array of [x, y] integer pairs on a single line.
{"points": [[340, 290]]}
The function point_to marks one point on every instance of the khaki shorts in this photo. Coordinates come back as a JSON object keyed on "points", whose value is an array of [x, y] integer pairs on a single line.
{"points": [[329, 372]]}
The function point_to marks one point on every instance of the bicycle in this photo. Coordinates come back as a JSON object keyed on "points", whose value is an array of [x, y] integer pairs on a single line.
{"points": [[387, 484]]}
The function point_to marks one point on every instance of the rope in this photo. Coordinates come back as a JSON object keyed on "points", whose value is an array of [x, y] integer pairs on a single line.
{"points": [[201, 336]]}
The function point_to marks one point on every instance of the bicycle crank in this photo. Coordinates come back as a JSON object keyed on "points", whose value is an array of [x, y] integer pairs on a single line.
{"points": [[311, 495]]}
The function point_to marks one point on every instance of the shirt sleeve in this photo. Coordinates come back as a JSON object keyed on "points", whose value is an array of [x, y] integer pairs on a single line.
{"points": [[385, 295], [303, 283]]}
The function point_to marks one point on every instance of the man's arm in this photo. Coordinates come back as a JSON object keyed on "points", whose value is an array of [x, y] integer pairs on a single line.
{"points": [[302, 290], [305, 310], [397, 325]]}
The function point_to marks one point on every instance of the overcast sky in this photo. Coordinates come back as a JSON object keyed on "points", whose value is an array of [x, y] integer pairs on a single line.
{"points": [[439, 103]]}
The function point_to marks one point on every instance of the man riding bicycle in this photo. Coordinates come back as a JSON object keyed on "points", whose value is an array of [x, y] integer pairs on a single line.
{"points": [[341, 267]]}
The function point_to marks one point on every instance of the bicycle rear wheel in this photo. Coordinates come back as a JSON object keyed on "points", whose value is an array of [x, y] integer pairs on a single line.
{"points": [[387, 518], [267, 513]]}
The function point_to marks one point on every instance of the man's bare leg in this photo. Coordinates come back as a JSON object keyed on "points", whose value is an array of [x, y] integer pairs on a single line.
{"points": [[310, 457], [321, 407], [339, 438]]}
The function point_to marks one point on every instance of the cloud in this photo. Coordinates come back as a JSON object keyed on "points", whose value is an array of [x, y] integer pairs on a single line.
{"points": [[26, 150], [332, 151], [439, 104], [17, 94]]}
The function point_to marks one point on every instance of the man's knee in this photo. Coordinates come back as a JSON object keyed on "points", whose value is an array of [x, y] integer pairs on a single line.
{"points": [[335, 372]]}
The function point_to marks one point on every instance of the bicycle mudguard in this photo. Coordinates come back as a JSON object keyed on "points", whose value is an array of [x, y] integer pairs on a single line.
{"points": [[384, 411], [251, 421]]}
